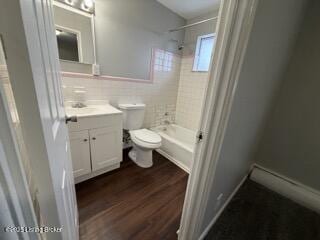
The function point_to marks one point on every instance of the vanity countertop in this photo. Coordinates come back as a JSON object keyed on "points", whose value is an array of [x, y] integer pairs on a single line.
{"points": [[92, 111]]}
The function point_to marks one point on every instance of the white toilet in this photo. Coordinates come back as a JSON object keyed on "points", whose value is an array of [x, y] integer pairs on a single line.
{"points": [[144, 140]]}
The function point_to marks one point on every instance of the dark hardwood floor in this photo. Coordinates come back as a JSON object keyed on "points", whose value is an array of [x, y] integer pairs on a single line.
{"points": [[132, 202]]}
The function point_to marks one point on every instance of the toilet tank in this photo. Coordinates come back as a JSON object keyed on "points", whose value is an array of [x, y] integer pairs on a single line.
{"points": [[133, 115]]}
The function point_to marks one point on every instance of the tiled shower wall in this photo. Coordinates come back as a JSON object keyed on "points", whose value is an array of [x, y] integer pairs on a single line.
{"points": [[192, 85], [159, 96], [191, 93]]}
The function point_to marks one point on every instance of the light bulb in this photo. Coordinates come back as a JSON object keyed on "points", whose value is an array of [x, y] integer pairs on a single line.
{"points": [[88, 3], [70, 2]]}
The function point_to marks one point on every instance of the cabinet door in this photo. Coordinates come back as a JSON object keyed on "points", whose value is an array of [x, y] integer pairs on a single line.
{"points": [[80, 153], [106, 147]]}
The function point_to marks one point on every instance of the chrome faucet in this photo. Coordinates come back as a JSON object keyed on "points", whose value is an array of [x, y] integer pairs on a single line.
{"points": [[78, 105]]}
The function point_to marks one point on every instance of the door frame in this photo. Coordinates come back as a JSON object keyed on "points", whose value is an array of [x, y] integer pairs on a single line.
{"points": [[234, 26], [24, 42], [233, 30], [16, 202]]}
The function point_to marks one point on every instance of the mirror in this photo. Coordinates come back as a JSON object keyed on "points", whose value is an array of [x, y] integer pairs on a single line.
{"points": [[124, 34], [74, 34], [68, 45]]}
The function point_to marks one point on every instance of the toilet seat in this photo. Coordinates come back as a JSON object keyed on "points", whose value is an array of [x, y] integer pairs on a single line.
{"points": [[146, 135], [146, 138]]}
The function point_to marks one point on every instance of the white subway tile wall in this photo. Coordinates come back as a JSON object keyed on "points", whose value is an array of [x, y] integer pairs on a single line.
{"points": [[160, 96], [176, 94], [191, 93]]}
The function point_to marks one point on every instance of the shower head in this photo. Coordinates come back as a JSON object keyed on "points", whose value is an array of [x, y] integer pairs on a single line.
{"points": [[178, 44], [181, 47]]}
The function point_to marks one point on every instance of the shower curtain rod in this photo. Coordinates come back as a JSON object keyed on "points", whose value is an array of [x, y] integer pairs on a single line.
{"points": [[192, 24]]}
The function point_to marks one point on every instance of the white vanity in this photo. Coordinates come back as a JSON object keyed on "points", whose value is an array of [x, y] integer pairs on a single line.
{"points": [[96, 140]]}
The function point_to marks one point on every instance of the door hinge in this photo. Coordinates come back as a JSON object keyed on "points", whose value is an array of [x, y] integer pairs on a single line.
{"points": [[3, 47], [200, 136]]}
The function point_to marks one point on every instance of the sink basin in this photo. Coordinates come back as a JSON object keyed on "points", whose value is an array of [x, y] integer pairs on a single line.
{"points": [[81, 111], [92, 110]]}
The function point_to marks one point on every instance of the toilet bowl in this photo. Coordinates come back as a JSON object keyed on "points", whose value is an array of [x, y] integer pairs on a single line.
{"points": [[144, 141]]}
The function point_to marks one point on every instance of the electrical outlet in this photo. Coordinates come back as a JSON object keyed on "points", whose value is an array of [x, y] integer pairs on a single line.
{"points": [[218, 201]]}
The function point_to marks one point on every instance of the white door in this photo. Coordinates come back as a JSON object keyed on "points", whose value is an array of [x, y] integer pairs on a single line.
{"points": [[105, 147], [35, 33], [80, 153], [49, 93]]}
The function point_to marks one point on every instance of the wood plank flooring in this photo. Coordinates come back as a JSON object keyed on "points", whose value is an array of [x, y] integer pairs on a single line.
{"points": [[132, 202]]}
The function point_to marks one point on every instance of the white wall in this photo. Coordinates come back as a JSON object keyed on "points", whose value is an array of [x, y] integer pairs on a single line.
{"points": [[192, 33], [191, 93], [159, 96], [192, 85], [270, 44], [290, 144], [126, 32], [133, 35]]}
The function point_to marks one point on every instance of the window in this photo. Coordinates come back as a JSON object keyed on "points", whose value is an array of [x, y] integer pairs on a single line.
{"points": [[203, 52]]}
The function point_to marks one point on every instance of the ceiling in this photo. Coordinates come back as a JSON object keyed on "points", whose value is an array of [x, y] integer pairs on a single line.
{"points": [[190, 8]]}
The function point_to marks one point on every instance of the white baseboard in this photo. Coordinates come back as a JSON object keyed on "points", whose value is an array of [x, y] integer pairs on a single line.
{"points": [[207, 229], [287, 187]]}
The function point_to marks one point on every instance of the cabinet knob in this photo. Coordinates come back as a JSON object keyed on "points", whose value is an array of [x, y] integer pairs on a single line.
{"points": [[93, 138], [85, 140]]}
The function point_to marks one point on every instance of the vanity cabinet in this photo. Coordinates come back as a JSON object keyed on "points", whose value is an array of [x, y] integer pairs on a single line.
{"points": [[96, 145], [80, 152], [105, 147]]}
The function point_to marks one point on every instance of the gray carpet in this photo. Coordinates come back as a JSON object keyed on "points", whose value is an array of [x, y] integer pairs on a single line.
{"points": [[256, 213]]}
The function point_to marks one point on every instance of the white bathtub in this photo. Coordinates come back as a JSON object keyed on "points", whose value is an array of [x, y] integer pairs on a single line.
{"points": [[177, 145]]}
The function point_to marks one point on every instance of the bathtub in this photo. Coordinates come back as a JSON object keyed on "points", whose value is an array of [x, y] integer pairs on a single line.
{"points": [[177, 145]]}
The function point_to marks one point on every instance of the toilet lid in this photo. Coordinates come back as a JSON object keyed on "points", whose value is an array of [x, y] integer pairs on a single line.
{"points": [[146, 135]]}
